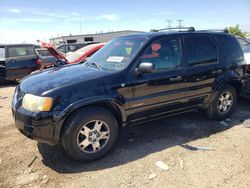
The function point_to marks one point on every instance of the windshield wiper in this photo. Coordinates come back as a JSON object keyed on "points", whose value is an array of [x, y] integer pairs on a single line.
{"points": [[96, 65]]}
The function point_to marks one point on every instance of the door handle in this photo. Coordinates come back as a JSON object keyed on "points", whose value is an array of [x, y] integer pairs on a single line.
{"points": [[217, 71], [178, 78], [12, 60]]}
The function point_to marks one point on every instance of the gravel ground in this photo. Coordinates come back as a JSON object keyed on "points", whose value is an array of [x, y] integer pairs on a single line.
{"points": [[193, 150]]}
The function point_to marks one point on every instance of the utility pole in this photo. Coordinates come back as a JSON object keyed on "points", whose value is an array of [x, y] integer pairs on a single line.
{"points": [[169, 24], [179, 25]]}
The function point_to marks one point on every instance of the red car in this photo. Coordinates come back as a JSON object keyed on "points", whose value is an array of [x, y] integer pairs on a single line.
{"points": [[74, 57]]}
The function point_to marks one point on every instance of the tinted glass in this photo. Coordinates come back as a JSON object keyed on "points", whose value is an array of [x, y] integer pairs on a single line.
{"points": [[20, 51], [201, 50], [230, 47], [164, 54], [243, 42], [2, 54]]}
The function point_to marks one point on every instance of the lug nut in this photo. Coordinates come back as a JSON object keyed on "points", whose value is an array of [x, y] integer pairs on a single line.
{"points": [[97, 135], [94, 140], [90, 134], [89, 139], [95, 131]]}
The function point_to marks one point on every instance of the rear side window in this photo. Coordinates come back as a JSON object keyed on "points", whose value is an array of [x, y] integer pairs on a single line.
{"points": [[230, 47], [201, 50], [2, 54], [20, 51], [243, 42]]}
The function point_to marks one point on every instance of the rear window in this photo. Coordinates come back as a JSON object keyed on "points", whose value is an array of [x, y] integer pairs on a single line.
{"points": [[201, 50], [20, 51], [43, 52], [2, 54], [230, 47]]}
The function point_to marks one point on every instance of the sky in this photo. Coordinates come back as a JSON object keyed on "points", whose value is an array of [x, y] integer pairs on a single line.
{"points": [[30, 20]]}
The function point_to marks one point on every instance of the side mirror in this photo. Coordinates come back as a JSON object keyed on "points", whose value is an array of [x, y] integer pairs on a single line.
{"points": [[144, 67]]}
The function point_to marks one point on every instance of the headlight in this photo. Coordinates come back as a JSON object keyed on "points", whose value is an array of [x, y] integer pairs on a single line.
{"points": [[35, 103]]}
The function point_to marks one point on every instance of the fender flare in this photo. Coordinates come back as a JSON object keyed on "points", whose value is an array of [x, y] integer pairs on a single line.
{"points": [[82, 103]]}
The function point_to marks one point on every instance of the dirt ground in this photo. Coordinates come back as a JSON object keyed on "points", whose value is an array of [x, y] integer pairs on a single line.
{"points": [[197, 151]]}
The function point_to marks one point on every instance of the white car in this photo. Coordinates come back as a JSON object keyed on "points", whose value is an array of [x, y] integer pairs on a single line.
{"points": [[246, 51]]}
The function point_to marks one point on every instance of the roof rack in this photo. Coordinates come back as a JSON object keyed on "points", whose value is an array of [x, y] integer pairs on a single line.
{"points": [[216, 30], [190, 29]]}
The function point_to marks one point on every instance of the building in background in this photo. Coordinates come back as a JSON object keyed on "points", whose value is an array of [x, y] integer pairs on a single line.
{"points": [[99, 37]]}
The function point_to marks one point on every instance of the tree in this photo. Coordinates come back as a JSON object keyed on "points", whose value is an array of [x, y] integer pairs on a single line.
{"points": [[235, 30]]}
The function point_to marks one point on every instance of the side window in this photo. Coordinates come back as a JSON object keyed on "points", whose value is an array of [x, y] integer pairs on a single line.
{"points": [[201, 50], [164, 54], [230, 47], [2, 54], [20, 51]]}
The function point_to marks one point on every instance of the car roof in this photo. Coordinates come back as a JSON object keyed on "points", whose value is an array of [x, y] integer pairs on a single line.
{"points": [[18, 45], [161, 33]]}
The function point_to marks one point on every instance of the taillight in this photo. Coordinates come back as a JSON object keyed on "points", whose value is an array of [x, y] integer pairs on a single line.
{"points": [[38, 61]]}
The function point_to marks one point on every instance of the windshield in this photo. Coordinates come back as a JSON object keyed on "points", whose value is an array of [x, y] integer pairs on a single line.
{"points": [[77, 54], [117, 54], [2, 54]]}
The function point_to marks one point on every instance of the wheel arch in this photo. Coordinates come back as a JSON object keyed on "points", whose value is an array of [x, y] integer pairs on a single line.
{"points": [[114, 107]]}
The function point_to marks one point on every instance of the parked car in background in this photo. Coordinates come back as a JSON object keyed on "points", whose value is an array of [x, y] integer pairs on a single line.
{"points": [[131, 80], [72, 47], [45, 59], [243, 41], [74, 57], [246, 51], [17, 61]]}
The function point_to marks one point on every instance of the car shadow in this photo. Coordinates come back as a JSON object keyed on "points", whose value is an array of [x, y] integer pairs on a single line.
{"points": [[8, 84], [139, 141]]}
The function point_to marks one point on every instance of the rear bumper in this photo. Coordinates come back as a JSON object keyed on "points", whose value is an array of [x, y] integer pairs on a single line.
{"points": [[37, 126]]}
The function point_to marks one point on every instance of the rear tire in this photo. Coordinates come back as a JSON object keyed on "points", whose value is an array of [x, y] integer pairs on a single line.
{"points": [[90, 133], [223, 104]]}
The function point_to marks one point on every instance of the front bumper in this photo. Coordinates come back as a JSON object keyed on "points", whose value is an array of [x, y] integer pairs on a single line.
{"points": [[38, 126]]}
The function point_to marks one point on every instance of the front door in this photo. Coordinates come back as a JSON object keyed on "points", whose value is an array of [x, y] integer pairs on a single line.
{"points": [[162, 91], [20, 61]]}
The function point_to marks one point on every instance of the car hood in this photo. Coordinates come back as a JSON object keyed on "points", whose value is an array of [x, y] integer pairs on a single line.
{"points": [[53, 51], [43, 82]]}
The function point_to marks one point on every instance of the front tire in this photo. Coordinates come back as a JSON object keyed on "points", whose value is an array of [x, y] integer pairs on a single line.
{"points": [[223, 104], [90, 134]]}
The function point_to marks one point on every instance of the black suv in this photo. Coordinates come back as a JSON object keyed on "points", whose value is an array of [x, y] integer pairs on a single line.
{"points": [[17, 61], [132, 79]]}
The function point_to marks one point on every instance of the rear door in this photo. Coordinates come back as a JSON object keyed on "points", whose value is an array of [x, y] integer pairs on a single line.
{"points": [[203, 61], [20, 61]]}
